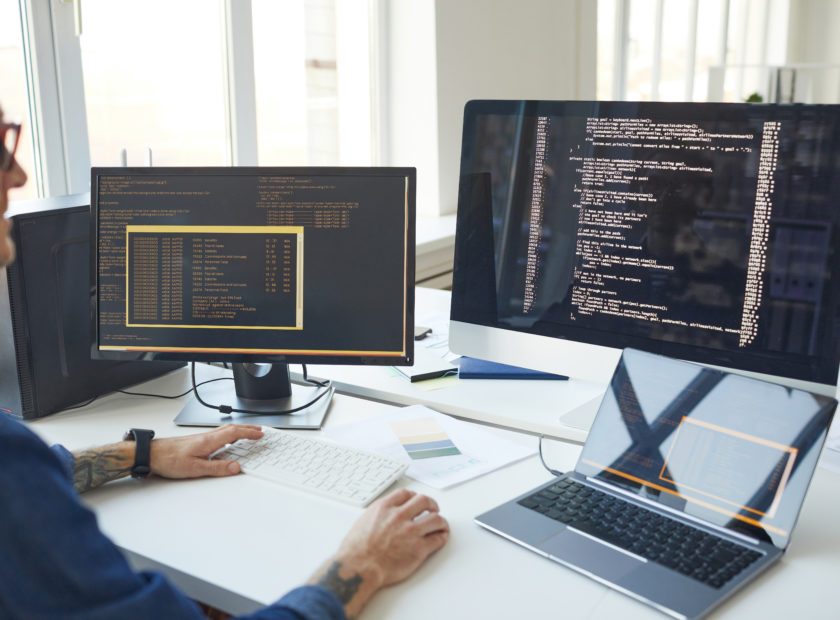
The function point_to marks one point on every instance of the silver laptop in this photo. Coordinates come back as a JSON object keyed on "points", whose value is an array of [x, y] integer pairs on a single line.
{"points": [[688, 487]]}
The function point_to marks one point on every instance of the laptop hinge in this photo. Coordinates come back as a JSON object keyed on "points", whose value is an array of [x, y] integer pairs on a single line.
{"points": [[677, 513]]}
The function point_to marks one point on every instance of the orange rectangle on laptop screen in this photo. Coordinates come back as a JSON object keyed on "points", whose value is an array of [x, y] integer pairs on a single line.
{"points": [[720, 463]]}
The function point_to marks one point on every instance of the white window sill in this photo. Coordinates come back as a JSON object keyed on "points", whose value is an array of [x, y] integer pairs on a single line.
{"points": [[435, 251]]}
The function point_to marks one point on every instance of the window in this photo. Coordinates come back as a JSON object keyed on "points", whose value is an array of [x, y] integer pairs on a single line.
{"points": [[154, 79], [313, 84], [281, 82], [197, 82], [13, 91], [687, 50]]}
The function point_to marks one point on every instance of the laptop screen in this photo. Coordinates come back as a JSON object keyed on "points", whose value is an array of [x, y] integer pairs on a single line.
{"points": [[734, 451]]}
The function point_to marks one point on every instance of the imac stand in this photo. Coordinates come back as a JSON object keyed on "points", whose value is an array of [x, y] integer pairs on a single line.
{"points": [[258, 388]]}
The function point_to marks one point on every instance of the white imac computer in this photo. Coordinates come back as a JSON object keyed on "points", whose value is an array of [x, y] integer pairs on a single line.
{"points": [[706, 232]]}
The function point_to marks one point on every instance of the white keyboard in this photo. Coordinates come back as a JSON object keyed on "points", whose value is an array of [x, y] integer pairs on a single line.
{"points": [[316, 465]]}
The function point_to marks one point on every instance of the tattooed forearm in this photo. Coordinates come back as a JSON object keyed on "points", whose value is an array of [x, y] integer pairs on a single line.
{"points": [[97, 466], [344, 589]]}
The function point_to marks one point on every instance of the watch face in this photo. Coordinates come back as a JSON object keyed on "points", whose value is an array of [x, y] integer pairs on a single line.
{"points": [[140, 471]]}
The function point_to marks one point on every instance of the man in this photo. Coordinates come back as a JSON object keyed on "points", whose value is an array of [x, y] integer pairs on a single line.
{"points": [[56, 563]]}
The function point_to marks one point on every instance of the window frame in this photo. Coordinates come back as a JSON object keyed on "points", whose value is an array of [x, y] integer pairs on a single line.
{"points": [[55, 81], [621, 36], [53, 61]]}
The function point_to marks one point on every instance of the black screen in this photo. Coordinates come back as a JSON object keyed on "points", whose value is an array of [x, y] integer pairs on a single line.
{"points": [[260, 264], [703, 231]]}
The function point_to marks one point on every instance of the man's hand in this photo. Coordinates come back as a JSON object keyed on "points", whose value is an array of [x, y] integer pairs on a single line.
{"points": [[186, 457], [174, 457], [388, 543]]}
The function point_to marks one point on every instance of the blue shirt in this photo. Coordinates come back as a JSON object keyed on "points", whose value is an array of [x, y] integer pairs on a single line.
{"points": [[55, 563]]}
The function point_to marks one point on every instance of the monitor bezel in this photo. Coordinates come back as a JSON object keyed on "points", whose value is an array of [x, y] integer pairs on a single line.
{"points": [[604, 346], [289, 358]]}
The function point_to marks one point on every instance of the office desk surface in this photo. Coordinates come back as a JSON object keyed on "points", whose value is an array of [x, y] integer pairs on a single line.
{"points": [[531, 406], [241, 542]]}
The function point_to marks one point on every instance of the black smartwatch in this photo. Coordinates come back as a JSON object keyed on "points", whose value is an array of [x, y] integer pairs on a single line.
{"points": [[142, 453]]}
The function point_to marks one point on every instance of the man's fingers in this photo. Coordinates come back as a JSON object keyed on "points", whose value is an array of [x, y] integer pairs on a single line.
{"points": [[217, 468], [240, 431], [398, 497], [230, 433], [417, 505], [253, 427], [433, 542], [430, 523]]}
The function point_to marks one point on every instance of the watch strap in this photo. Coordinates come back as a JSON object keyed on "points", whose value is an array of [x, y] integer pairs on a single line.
{"points": [[142, 453]]}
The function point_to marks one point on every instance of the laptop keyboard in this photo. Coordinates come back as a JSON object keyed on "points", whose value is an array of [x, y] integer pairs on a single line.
{"points": [[693, 552]]}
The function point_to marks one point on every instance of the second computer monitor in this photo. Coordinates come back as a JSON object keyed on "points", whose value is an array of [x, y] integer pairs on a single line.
{"points": [[254, 264], [707, 232]]}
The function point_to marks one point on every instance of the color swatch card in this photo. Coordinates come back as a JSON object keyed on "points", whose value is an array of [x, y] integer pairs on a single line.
{"points": [[440, 451], [423, 438]]}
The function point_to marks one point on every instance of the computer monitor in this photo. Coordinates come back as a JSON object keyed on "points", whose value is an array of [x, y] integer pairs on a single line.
{"points": [[254, 265], [45, 364], [707, 232]]}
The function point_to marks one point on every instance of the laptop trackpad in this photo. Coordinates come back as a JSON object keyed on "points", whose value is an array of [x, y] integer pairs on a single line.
{"points": [[591, 555]]}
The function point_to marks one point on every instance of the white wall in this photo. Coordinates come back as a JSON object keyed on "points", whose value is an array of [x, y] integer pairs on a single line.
{"points": [[411, 95], [446, 52], [813, 38], [813, 35]]}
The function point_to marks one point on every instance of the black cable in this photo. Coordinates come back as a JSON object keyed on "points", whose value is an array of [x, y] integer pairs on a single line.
{"points": [[177, 395], [84, 404], [227, 409], [313, 381], [544, 464]]}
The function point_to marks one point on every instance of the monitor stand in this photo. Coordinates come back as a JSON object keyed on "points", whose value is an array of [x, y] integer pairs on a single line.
{"points": [[258, 387]]}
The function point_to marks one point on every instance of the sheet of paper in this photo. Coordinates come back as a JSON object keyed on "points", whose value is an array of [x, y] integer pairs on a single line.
{"points": [[439, 450]]}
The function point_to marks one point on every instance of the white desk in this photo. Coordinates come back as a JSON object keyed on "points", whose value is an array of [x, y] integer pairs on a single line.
{"points": [[531, 406], [240, 542]]}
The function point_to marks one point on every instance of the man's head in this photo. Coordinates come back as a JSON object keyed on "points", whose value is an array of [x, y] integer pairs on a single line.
{"points": [[11, 176]]}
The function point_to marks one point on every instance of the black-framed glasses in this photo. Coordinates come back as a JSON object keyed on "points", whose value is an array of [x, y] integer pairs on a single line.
{"points": [[9, 138]]}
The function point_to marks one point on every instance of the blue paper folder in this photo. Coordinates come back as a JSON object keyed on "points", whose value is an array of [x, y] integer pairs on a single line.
{"points": [[472, 368]]}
